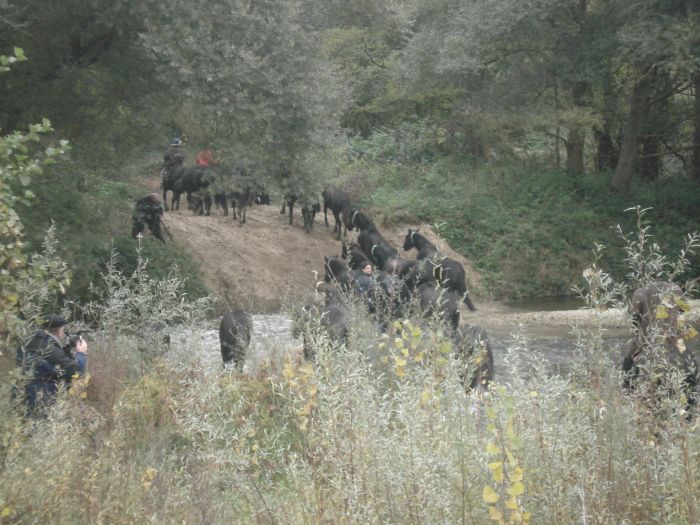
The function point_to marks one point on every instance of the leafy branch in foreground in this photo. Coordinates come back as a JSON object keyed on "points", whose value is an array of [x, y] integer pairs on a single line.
{"points": [[139, 304], [20, 160]]}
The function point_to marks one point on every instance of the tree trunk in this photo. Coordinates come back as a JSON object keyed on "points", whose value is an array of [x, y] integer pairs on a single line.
{"points": [[695, 168], [574, 150], [650, 163], [629, 151], [606, 154], [576, 139]]}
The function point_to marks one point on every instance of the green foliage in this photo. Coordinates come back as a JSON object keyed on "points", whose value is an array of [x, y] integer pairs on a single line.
{"points": [[21, 159], [528, 232], [139, 304]]}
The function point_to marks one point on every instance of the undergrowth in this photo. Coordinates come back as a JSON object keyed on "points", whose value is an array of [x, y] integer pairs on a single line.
{"points": [[379, 430]]}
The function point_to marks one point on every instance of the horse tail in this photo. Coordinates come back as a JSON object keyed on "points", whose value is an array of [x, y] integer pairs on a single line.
{"points": [[468, 302]]}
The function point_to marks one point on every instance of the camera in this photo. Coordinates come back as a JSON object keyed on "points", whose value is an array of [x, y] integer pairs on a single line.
{"points": [[72, 341]]}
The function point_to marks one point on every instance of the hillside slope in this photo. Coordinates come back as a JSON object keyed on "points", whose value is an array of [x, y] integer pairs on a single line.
{"points": [[266, 263]]}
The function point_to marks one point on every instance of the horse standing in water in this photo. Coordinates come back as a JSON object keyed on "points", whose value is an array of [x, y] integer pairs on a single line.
{"points": [[448, 272]]}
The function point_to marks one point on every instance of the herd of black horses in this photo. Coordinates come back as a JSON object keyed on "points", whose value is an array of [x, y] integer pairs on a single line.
{"points": [[430, 285]]}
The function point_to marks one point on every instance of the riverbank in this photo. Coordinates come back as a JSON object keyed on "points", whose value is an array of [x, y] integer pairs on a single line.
{"points": [[498, 315]]}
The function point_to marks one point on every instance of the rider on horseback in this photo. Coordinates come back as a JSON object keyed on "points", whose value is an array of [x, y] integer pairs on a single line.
{"points": [[173, 156]]}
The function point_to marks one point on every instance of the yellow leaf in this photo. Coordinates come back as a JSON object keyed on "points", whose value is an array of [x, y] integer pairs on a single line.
{"points": [[691, 333], [425, 397], [405, 352], [384, 360], [516, 489], [497, 469], [418, 357], [684, 306], [83, 395], [400, 371], [495, 514], [515, 517], [492, 449], [534, 393], [399, 361], [661, 312], [6, 512], [516, 474], [512, 503], [490, 495]]}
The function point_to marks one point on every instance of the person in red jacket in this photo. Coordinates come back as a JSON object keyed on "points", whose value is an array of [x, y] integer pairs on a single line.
{"points": [[205, 158]]}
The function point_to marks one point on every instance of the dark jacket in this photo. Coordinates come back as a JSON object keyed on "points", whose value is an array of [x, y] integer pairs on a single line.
{"points": [[173, 157], [148, 209], [46, 364]]}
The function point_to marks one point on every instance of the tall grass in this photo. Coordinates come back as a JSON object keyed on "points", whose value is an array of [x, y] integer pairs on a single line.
{"points": [[379, 430]]}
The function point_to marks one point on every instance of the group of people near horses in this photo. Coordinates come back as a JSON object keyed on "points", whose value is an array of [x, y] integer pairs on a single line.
{"points": [[392, 287], [373, 270], [208, 182]]}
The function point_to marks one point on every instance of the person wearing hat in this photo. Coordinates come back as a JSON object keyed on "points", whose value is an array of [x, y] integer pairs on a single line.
{"points": [[173, 156], [148, 211], [48, 362]]}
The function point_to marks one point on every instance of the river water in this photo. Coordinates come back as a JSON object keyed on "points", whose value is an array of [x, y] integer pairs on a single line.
{"points": [[272, 340]]}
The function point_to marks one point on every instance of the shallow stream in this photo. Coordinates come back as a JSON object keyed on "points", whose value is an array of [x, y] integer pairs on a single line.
{"points": [[272, 341]]}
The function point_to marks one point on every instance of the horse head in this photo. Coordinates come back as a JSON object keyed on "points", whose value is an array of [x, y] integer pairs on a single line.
{"points": [[409, 240]]}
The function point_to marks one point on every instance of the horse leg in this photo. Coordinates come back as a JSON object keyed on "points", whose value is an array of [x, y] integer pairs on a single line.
{"points": [[165, 199], [291, 211], [325, 215], [207, 205], [338, 223]]}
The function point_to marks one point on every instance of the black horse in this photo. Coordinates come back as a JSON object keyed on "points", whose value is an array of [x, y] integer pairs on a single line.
{"points": [[371, 237], [440, 303], [354, 255], [448, 272], [335, 317], [170, 181], [336, 269], [234, 335], [309, 209], [338, 202], [658, 346], [360, 220]]}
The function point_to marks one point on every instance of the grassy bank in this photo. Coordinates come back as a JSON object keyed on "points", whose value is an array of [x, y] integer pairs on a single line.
{"points": [[529, 232]]}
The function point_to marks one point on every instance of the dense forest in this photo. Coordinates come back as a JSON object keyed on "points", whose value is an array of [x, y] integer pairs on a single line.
{"points": [[523, 129], [553, 143]]}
